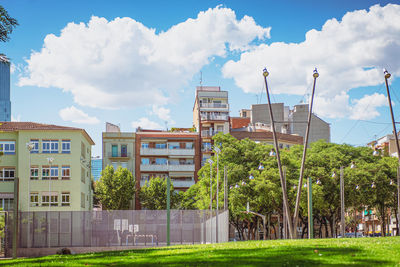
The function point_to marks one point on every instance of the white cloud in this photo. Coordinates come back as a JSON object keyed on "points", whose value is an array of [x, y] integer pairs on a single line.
{"points": [[145, 123], [349, 53], [162, 113], [77, 116], [365, 108], [18, 118], [121, 63]]}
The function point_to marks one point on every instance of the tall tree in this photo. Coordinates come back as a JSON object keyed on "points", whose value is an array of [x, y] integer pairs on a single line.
{"points": [[115, 189], [7, 24], [153, 195]]}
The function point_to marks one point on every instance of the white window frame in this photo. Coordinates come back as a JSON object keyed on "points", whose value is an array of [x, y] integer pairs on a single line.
{"points": [[47, 170], [66, 146], [34, 203], [34, 177], [64, 197], [10, 147], [65, 169], [45, 200], [35, 148], [50, 146], [3, 172], [54, 173]]}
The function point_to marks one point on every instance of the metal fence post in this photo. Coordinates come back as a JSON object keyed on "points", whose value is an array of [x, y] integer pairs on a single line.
{"points": [[15, 218]]}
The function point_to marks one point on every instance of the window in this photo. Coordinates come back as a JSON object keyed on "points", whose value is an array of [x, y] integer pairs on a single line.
{"points": [[7, 203], [65, 199], [34, 173], [189, 145], [115, 165], [82, 200], [114, 151], [124, 164], [83, 175], [35, 143], [34, 197], [54, 173], [7, 147], [7, 174], [173, 145], [124, 151], [220, 128], [54, 200], [45, 173], [145, 161], [66, 146], [83, 149], [145, 145], [50, 146], [161, 161], [65, 172], [161, 145], [45, 200]]}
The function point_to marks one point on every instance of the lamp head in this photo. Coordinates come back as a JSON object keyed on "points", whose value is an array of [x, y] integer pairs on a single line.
{"points": [[265, 72], [315, 73], [333, 174], [353, 165], [318, 181], [357, 187], [243, 183], [251, 177], [375, 153], [272, 153], [387, 74], [50, 160], [30, 146]]}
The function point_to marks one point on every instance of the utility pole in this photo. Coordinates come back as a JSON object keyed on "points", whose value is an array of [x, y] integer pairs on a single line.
{"points": [[310, 213], [168, 210], [303, 160], [15, 218], [387, 76], [284, 193], [342, 219], [225, 190], [285, 230]]}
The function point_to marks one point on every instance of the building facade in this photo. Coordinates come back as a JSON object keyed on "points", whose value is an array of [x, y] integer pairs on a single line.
{"points": [[167, 154], [53, 175], [5, 103], [210, 116], [97, 167], [290, 121], [119, 150]]}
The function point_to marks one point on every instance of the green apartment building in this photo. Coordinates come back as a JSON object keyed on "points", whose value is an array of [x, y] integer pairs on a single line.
{"points": [[53, 171]]}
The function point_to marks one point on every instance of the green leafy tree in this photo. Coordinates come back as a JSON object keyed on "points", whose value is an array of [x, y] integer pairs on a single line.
{"points": [[7, 24], [153, 195], [115, 189]]}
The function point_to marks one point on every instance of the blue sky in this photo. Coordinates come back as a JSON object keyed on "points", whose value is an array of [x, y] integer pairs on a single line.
{"points": [[75, 64]]}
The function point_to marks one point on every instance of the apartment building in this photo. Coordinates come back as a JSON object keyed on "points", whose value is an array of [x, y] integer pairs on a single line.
{"points": [[118, 148], [386, 145], [289, 121], [5, 103], [210, 116], [284, 140], [167, 154], [53, 171]]}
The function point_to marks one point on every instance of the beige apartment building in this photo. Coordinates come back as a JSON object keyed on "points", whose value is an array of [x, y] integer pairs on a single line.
{"points": [[210, 116]]}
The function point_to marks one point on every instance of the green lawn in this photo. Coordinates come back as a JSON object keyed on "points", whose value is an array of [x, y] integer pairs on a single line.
{"points": [[338, 252]]}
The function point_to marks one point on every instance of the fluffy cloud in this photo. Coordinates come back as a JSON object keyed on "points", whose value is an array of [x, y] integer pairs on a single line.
{"points": [[162, 113], [112, 64], [145, 123], [349, 53], [365, 108], [77, 116]]}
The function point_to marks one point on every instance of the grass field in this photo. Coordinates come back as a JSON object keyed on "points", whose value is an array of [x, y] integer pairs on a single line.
{"points": [[336, 252]]}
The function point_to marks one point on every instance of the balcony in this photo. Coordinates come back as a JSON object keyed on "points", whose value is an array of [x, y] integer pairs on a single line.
{"points": [[214, 118], [209, 134], [214, 105], [181, 168], [153, 151], [166, 151], [154, 167], [119, 155], [182, 183]]}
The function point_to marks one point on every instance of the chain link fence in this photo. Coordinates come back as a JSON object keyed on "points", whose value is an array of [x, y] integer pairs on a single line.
{"points": [[117, 228]]}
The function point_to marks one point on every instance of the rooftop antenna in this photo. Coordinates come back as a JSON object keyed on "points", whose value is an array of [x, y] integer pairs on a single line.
{"points": [[166, 125], [201, 79]]}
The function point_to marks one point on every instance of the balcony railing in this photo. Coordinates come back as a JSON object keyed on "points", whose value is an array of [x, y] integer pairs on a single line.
{"points": [[214, 117], [182, 183], [214, 105], [119, 155], [166, 167], [166, 151]]}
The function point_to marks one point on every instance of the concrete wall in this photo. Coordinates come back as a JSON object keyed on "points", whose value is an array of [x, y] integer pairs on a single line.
{"points": [[260, 113]]}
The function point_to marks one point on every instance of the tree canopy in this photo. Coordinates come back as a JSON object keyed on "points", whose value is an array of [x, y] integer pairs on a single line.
{"points": [[116, 188], [7, 24]]}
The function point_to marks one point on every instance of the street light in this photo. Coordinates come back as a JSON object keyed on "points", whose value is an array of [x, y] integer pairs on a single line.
{"points": [[217, 150], [251, 177], [30, 146], [50, 162], [272, 153], [210, 161]]}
